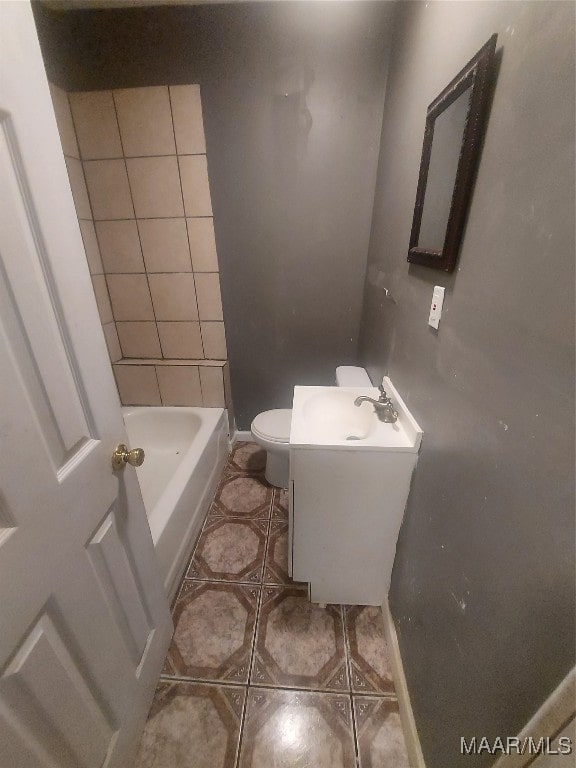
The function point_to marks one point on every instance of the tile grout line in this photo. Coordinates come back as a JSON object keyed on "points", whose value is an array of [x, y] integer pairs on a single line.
{"points": [[260, 597], [139, 240], [354, 732], [268, 535], [248, 685], [255, 636], [352, 710], [143, 218], [141, 157], [252, 654], [278, 689], [93, 220], [241, 729], [350, 681], [268, 687], [158, 272], [187, 233]]}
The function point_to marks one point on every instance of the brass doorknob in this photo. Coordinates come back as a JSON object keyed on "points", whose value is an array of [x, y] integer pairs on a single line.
{"points": [[123, 456]]}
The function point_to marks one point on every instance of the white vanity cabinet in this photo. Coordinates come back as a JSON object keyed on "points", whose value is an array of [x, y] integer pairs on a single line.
{"points": [[347, 497]]}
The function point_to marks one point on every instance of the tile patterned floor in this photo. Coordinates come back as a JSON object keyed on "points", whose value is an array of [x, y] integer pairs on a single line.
{"points": [[256, 676]]}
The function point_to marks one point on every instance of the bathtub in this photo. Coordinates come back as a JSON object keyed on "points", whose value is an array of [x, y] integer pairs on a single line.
{"points": [[186, 449]]}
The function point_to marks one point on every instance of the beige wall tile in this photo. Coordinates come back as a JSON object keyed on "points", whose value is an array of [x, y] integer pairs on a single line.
{"points": [[208, 296], [64, 121], [155, 187], [145, 121], [174, 296], [120, 246], [179, 385], [187, 116], [137, 384], [108, 189], [195, 187], [139, 339], [165, 245], [212, 387], [130, 297], [180, 340], [91, 247], [96, 126], [102, 299], [214, 341], [78, 187], [202, 244], [112, 342]]}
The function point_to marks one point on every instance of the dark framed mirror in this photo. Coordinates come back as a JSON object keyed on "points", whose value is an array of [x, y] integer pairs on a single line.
{"points": [[452, 140]]}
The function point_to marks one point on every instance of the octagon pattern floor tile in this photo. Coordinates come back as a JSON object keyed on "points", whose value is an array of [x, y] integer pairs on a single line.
{"points": [[379, 733], [191, 725], [297, 728], [230, 550], [256, 676], [276, 565], [246, 458], [214, 628], [280, 504], [298, 644], [242, 496], [370, 670]]}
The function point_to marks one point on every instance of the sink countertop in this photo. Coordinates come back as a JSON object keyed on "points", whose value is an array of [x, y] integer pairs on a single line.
{"points": [[327, 417]]}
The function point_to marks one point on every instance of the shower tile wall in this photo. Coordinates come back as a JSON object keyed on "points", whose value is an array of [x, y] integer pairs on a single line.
{"points": [[137, 165]]}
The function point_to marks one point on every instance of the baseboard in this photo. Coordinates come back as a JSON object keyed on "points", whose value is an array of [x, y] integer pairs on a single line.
{"points": [[413, 747], [558, 709], [242, 435]]}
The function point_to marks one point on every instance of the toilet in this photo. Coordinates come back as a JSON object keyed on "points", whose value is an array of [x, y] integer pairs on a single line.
{"points": [[271, 429]]}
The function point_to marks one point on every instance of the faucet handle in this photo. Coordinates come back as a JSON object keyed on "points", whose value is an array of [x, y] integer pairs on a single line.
{"points": [[383, 395]]}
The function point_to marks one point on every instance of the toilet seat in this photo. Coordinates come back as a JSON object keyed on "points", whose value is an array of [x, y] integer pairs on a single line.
{"points": [[274, 425]]}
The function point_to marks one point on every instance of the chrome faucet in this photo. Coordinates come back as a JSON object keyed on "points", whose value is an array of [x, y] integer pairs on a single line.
{"points": [[383, 407]]}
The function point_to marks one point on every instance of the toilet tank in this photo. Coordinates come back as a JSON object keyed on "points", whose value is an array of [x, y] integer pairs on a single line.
{"points": [[352, 376]]}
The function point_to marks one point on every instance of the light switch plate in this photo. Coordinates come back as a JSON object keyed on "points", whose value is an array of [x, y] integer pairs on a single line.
{"points": [[436, 306]]}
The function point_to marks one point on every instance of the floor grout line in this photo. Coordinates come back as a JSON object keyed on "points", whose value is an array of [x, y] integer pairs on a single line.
{"points": [[350, 682], [241, 729], [247, 685], [164, 678], [354, 730], [256, 628]]}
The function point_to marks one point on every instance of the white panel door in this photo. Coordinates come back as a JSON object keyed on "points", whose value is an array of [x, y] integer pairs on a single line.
{"points": [[84, 621]]}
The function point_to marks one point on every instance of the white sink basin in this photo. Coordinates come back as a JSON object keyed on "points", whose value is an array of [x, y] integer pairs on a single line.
{"points": [[327, 416], [332, 414]]}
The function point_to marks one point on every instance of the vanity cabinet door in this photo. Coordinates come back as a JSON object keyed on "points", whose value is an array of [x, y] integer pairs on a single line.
{"points": [[347, 511]]}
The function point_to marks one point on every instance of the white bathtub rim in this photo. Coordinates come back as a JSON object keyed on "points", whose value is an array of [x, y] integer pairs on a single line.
{"points": [[180, 562], [177, 516], [168, 499]]}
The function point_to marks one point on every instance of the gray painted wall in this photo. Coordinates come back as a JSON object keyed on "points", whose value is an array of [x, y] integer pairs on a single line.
{"points": [[292, 95], [483, 585]]}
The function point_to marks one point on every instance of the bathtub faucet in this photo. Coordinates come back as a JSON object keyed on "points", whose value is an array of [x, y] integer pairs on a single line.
{"points": [[383, 407]]}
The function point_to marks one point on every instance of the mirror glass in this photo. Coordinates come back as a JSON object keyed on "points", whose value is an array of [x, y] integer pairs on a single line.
{"points": [[453, 135], [446, 147]]}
